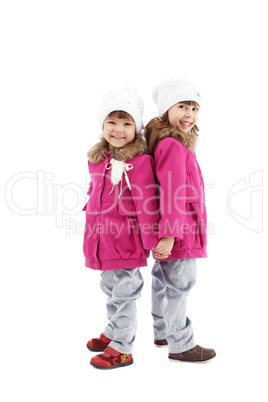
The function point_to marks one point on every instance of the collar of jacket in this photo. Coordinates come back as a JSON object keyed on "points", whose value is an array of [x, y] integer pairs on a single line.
{"points": [[187, 139], [102, 150]]}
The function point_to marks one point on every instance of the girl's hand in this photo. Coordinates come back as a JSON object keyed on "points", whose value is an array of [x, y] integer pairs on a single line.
{"points": [[161, 256], [164, 247]]}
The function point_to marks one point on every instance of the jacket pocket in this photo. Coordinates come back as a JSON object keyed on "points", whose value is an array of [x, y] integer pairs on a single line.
{"points": [[127, 209], [201, 225], [192, 228], [132, 235], [200, 230]]}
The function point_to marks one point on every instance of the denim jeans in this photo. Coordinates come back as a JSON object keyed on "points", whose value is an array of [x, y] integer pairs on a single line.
{"points": [[171, 283], [123, 287]]}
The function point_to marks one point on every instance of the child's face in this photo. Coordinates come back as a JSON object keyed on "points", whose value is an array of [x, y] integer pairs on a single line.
{"points": [[118, 132], [183, 116]]}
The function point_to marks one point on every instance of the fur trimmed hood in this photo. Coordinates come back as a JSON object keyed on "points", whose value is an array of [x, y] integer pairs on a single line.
{"points": [[136, 147], [187, 139]]}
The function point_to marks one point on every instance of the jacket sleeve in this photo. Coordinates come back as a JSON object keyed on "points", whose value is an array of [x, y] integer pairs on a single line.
{"points": [[170, 161], [143, 189]]}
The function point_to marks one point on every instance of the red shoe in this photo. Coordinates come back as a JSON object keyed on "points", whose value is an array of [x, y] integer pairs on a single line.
{"points": [[110, 359], [98, 344]]}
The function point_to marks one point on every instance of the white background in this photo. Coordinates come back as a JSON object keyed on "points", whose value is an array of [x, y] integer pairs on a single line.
{"points": [[57, 58]]}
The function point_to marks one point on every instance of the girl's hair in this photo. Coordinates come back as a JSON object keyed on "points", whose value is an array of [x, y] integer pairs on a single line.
{"points": [[157, 124], [120, 115]]}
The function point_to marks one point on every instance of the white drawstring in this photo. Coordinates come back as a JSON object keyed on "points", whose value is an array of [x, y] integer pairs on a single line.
{"points": [[118, 168]]}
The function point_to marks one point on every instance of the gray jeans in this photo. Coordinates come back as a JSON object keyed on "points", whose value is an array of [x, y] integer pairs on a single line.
{"points": [[122, 287], [171, 283]]}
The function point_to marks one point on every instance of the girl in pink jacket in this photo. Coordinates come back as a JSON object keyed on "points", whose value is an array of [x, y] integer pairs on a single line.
{"points": [[121, 221], [171, 140]]}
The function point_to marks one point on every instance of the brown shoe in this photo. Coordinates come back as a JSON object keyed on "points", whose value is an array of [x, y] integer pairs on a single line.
{"points": [[98, 344], [194, 355], [160, 343]]}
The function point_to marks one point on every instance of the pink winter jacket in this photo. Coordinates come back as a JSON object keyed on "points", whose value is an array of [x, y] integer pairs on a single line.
{"points": [[182, 199], [119, 232]]}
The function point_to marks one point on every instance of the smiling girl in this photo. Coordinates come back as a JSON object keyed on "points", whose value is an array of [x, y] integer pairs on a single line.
{"points": [[121, 222], [171, 140]]}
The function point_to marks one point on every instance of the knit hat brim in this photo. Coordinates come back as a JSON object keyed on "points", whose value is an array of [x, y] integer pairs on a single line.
{"points": [[172, 91], [126, 100]]}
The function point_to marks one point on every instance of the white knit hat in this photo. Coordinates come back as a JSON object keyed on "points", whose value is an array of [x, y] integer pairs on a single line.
{"points": [[125, 99], [172, 91]]}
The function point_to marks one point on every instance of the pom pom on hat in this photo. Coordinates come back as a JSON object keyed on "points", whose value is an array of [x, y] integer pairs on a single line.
{"points": [[125, 99], [172, 91]]}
